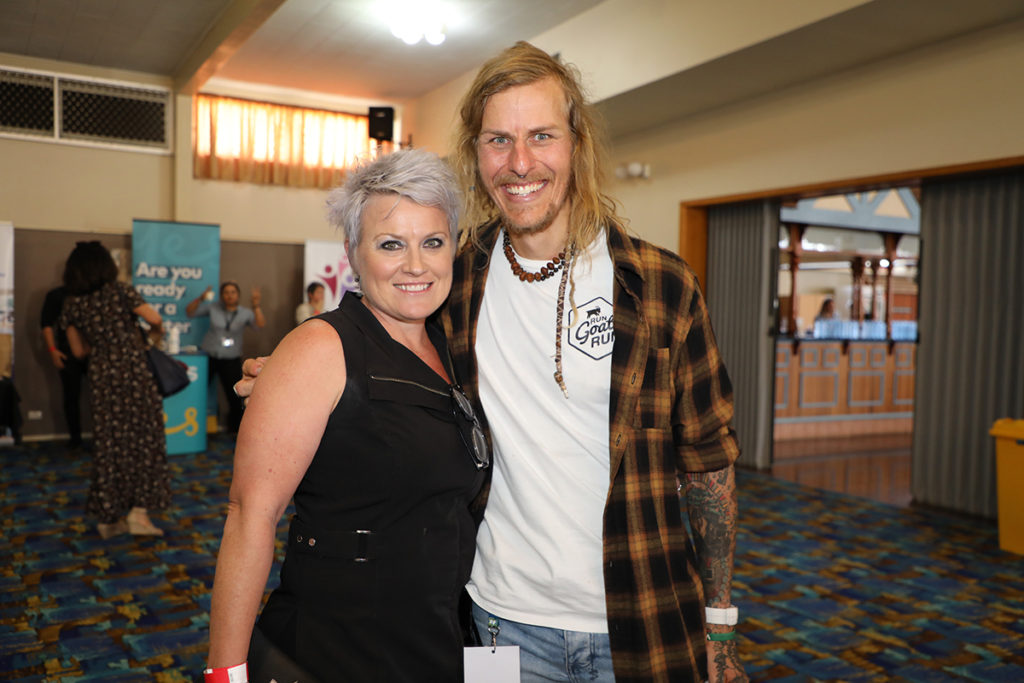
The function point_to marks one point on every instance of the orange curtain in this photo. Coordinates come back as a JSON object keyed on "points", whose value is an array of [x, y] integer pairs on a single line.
{"points": [[257, 142]]}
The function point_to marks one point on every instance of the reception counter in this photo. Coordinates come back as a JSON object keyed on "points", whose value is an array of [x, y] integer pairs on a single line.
{"points": [[833, 387]]}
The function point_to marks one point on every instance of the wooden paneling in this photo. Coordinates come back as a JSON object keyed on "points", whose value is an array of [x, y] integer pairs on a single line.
{"points": [[835, 388]]}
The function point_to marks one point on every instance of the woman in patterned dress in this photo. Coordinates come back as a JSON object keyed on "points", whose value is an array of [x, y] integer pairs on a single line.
{"points": [[130, 472]]}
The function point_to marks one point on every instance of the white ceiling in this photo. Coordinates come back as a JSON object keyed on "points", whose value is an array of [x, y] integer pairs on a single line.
{"points": [[344, 46], [336, 47]]}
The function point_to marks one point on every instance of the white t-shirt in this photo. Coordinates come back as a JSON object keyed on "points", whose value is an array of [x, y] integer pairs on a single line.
{"points": [[539, 548]]}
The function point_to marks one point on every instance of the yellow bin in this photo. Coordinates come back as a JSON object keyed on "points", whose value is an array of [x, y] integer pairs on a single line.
{"points": [[1010, 482]]}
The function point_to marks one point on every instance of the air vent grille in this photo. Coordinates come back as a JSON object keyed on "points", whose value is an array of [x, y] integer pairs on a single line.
{"points": [[91, 111], [26, 103], [85, 111]]}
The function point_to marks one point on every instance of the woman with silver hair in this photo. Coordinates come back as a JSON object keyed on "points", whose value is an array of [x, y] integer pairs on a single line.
{"points": [[358, 416]]}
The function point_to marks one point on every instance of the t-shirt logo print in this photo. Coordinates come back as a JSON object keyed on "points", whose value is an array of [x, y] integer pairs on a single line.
{"points": [[592, 331]]}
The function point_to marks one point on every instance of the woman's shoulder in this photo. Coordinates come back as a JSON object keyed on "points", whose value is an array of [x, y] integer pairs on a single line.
{"points": [[312, 351]]}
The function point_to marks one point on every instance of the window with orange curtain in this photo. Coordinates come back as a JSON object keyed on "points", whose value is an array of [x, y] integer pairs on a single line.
{"points": [[258, 142]]}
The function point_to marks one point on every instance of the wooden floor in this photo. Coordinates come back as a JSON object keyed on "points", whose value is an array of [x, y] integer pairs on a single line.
{"points": [[875, 466]]}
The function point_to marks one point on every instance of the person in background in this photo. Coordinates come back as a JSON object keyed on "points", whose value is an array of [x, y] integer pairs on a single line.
{"points": [[313, 305], [359, 418], [130, 471], [827, 310], [826, 313], [223, 340], [70, 369]]}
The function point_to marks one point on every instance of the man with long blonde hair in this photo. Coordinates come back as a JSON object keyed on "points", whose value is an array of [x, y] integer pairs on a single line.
{"points": [[592, 355]]}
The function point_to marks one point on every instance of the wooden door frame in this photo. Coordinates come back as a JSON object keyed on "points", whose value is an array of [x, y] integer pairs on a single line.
{"points": [[693, 214]]}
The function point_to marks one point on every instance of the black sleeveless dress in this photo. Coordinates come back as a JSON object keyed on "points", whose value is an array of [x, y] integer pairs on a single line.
{"points": [[382, 540]]}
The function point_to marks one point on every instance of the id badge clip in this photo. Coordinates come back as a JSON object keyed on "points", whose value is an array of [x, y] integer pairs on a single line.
{"points": [[492, 663]]}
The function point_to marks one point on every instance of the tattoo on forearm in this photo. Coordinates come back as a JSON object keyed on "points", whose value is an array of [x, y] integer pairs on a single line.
{"points": [[711, 503]]}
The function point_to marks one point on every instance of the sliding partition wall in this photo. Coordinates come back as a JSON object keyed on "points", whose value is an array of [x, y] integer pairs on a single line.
{"points": [[970, 362], [742, 248]]}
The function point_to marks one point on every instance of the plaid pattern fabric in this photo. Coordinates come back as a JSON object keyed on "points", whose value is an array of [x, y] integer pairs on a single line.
{"points": [[670, 412]]}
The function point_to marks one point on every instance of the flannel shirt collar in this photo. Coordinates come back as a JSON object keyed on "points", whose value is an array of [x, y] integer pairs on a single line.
{"points": [[629, 272]]}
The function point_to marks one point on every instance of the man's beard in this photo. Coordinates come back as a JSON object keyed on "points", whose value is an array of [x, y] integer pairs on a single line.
{"points": [[533, 228]]}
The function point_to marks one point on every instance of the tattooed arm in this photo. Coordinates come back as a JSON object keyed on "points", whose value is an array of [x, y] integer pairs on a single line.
{"points": [[711, 503]]}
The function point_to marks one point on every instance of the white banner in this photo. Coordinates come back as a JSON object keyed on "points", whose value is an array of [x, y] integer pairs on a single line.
{"points": [[327, 263], [6, 277]]}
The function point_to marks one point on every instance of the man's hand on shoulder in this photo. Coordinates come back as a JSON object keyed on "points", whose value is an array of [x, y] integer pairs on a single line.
{"points": [[250, 371]]}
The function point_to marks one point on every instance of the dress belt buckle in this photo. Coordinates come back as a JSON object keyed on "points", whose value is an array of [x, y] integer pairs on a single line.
{"points": [[362, 544]]}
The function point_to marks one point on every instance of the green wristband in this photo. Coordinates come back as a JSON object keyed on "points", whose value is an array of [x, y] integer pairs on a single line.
{"points": [[722, 636]]}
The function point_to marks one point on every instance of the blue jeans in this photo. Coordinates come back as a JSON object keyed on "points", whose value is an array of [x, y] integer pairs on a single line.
{"points": [[551, 654]]}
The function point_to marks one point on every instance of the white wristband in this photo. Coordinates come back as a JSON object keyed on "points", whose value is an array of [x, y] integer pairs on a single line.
{"points": [[727, 616]]}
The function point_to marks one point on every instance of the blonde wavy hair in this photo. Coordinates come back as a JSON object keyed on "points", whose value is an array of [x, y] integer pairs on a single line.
{"points": [[523, 64]]}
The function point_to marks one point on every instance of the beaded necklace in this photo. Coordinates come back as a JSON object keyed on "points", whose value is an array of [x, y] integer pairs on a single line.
{"points": [[546, 271], [559, 263], [559, 311]]}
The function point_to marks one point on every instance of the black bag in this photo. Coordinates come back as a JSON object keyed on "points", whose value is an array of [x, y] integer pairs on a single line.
{"points": [[171, 374]]}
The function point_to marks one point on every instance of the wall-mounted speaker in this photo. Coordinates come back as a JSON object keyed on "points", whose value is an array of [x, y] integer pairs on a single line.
{"points": [[382, 123]]}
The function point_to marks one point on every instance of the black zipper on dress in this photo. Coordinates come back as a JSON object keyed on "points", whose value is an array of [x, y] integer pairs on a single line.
{"points": [[409, 381]]}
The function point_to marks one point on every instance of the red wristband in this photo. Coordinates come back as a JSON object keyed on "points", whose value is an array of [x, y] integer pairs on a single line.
{"points": [[239, 673], [52, 349]]}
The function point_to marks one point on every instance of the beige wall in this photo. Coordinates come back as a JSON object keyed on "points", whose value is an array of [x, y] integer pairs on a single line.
{"points": [[952, 103], [66, 187], [435, 115], [652, 39], [81, 188], [955, 103], [620, 45]]}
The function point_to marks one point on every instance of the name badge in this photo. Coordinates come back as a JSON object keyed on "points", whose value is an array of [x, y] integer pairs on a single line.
{"points": [[490, 664], [227, 342]]}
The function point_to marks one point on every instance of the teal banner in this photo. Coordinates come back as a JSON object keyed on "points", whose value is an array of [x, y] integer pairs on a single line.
{"points": [[185, 412], [172, 263]]}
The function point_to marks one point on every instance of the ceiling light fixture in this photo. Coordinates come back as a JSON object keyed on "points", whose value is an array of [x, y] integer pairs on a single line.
{"points": [[414, 20]]}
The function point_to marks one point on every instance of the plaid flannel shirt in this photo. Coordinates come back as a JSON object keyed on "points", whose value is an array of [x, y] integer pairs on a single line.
{"points": [[670, 412]]}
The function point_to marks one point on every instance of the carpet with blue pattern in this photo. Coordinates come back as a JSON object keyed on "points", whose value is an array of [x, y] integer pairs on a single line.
{"points": [[830, 587]]}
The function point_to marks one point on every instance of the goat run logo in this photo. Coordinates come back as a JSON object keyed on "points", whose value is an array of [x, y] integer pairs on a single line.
{"points": [[592, 331]]}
